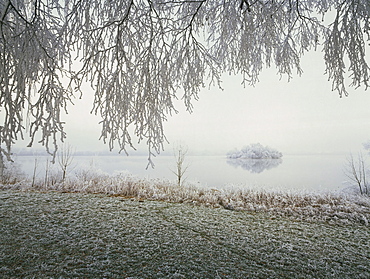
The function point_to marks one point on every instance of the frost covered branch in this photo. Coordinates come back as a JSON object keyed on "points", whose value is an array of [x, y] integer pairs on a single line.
{"points": [[139, 55], [33, 54]]}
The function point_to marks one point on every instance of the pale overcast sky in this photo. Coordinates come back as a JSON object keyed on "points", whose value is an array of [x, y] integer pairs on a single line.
{"points": [[302, 116]]}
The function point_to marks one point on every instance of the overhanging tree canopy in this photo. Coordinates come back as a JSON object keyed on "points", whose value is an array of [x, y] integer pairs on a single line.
{"points": [[137, 54]]}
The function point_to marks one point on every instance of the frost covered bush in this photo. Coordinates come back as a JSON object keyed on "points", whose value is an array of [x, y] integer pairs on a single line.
{"points": [[255, 151], [330, 207], [12, 175]]}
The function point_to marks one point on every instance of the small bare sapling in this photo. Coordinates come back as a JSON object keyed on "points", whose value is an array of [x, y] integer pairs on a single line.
{"points": [[180, 152], [65, 159]]}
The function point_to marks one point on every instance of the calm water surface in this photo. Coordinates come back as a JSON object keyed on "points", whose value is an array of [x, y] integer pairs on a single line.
{"points": [[293, 172]]}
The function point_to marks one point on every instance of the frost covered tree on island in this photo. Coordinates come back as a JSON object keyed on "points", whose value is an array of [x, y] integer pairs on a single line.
{"points": [[141, 55], [255, 158], [255, 151]]}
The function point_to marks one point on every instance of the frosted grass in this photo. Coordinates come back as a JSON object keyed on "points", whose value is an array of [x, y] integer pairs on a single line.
{"points": [[327, 207], [65, 235]]}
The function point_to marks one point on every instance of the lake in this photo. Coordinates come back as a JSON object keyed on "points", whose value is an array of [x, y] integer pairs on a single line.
{"points": [[292, 172]]}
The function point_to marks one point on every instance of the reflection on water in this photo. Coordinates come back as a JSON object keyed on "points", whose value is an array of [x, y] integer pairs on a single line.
{"points": [[255, 165]]}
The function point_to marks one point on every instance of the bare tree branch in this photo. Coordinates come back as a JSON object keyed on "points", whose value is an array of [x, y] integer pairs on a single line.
{"points": [[356, 172]]}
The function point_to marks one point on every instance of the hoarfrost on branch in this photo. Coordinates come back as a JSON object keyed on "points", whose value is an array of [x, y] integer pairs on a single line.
{"points": [[139, 54]]}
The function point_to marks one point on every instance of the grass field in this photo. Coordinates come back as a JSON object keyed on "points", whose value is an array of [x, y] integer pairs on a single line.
{"points": [[64, 235]]}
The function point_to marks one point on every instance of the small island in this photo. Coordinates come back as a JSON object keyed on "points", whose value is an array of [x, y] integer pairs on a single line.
{"points": [[255, 151]]}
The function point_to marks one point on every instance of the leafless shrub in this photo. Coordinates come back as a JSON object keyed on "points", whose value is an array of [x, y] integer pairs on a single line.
{"points": [[180, 152], [356, 172], [65, 159]]}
